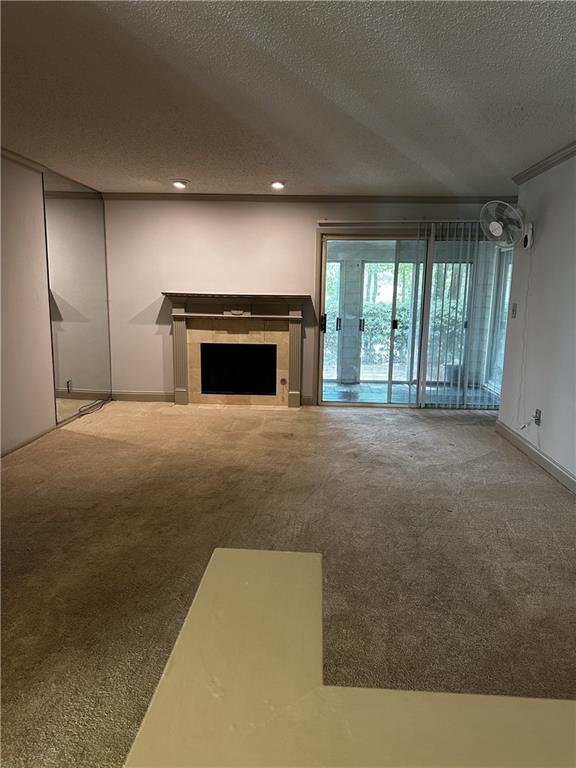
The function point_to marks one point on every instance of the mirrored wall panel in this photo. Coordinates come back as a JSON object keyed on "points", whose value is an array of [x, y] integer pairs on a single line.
{"points": [[78, 295]]}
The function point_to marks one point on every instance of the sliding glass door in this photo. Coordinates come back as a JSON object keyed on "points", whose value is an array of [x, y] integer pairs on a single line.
{"points": [[372, 315], [415, 320]]}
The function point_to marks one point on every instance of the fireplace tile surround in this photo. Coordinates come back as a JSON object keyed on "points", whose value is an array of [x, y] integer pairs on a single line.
{"points": [[238, 319], [220, 331]]}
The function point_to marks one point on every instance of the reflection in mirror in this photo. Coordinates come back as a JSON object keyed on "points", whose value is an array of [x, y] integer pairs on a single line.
{"points": [[78, 295]]}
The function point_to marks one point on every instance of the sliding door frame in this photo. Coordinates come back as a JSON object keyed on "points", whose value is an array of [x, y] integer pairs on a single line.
{"points": [[400, 230], [392, 340], [425, 318], [425, 232]]}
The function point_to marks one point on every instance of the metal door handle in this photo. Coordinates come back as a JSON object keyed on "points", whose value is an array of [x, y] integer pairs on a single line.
{"points": [[361, 324], [395, 324], [338, 323], [323, 323]]}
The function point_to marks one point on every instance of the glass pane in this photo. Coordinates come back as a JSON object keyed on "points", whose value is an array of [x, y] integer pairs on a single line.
{"points": [[403, 315], [408, 311], [447, 333], [332, 309], [78, 295], [500, 322], [378, 296], [353, 275], [361, 276]]}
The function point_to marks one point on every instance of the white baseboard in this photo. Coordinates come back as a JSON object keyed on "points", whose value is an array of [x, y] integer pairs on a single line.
{"points": [[83, 394], [144, 397], [552, 467]]}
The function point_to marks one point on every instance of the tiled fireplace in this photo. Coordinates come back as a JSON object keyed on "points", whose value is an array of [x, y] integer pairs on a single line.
{"points": [[237, 375]]}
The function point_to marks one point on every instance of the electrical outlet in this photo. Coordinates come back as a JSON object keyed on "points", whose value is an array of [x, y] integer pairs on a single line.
{"points": [[514, 310], [537, 417]]}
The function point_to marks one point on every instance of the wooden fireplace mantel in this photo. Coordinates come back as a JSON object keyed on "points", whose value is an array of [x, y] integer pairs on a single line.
{"points": [[243, 298], [188, 306]]}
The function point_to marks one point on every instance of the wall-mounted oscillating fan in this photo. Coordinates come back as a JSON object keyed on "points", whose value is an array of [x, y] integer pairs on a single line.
{"points": [[504, 224]]}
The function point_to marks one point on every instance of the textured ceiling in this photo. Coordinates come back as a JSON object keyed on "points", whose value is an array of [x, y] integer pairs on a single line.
{"points": [[374, 98]]}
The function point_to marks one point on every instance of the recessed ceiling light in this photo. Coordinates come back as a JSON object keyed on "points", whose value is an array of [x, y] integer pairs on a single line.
{"points": [[278, 185], [180, 183]]}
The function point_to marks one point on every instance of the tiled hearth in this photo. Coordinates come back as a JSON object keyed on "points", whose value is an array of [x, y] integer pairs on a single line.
{"points": [[236, 319]]}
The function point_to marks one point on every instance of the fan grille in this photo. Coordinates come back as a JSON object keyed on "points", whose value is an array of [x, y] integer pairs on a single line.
{"points": [[502, 223]]}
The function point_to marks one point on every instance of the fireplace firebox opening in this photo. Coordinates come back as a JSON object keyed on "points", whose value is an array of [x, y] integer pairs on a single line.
{"points": [[238, 369]]}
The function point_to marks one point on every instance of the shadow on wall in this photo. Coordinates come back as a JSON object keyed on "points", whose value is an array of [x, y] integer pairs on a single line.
{"points": [[158, 313], [63, 311], [309, 319]]}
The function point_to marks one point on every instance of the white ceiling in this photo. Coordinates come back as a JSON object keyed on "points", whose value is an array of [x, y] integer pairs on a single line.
{"points": [[349, 98]]}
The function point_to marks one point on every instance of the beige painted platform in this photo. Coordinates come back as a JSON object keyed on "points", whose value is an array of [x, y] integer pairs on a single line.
{"points": [[243, 687]]}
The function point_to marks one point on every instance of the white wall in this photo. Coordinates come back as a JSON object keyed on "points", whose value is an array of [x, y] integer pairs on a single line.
{"points": [[156, 246], [27, 381], [540, 360], [77, 267]]}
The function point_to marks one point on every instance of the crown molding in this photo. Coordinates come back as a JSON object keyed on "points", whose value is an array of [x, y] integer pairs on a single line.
{"points": [[544, 165], [21, 160], [73, 195], [28, 163], [279, 198]]}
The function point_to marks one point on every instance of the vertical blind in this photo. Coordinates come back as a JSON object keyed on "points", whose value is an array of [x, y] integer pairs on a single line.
{"points": [[468, 289]]}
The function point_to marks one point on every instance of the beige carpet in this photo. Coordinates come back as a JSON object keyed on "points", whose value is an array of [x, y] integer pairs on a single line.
{"points": [[449, 558]]}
